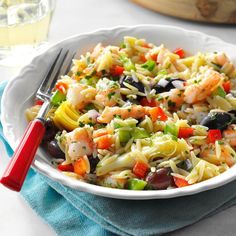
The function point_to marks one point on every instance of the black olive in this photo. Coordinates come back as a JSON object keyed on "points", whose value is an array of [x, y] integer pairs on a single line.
{"points": [[129, 80], [50, 130], [217, 120], [55, 150], [161, 179], [93, 163], [169, 85], [185, 165]]}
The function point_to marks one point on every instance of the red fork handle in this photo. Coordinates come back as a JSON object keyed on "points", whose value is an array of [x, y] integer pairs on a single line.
{"points": [[15, 173]]}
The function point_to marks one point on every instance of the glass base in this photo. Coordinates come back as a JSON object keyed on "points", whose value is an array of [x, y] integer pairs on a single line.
{"points": [[20, 55]]}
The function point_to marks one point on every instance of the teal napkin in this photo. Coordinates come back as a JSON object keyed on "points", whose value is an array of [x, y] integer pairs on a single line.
{"points": [[71, 212]]}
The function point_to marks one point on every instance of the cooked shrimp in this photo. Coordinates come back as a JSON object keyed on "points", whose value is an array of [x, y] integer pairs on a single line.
{"points": [[223, 61], [175, 98], [219, 58], [97, 51], [199, 91], [79, 95], [230, 135], [79, 142], [226, 155], [108, 97], [134, 111], [107, 92]]}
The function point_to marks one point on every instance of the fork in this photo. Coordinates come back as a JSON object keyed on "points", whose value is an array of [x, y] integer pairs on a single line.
{"points": [[15, 173]]}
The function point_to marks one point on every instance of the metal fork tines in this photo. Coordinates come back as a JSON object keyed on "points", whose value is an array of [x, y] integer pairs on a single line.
{"points": [[60, 66], [16, 171]]}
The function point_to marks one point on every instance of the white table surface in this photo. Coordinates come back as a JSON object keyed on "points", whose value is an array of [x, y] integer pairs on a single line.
{"points": [[77, 16]]}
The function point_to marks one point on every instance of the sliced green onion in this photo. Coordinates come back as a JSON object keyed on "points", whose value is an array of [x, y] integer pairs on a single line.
{"points": [[128, 64], [89, 106], [88, 80], [117, 126], [220, 92], [171, 129], [149, 65], [162, 72]]}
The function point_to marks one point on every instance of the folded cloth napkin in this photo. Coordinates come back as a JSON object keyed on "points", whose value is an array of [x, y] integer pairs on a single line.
{"points": [[71, 212]]}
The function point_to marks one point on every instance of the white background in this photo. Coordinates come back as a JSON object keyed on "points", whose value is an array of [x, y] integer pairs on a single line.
{"points": [[77, 16]]}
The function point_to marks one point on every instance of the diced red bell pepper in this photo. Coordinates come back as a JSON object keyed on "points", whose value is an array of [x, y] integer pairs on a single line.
{"points": [[180, 52], [116, 70], [140, 169], [153, 57], [157, 113], [142, 58], [227, 86], [66, 167], [185, 132], [39, 102], [152, 103], [61, 86], [213, 135], [180, 182]]}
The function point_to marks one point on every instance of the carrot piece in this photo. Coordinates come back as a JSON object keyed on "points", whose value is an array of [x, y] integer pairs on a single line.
{"points": [[180, 52], [142, 58], [103, 142], [66, 167], [80, 167], [180, 182], [99, 133], [140, 169], [157, 113], [185, 132]]}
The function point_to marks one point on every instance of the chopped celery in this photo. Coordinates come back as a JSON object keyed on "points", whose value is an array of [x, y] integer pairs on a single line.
{"points": [[136, 184], [57, 98], [128, 64], [124, 135], [162, 72], [139, 133], [171, 129], [122, 45], [149, 65]]}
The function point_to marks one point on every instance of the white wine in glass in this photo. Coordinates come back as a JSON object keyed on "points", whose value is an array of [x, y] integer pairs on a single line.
{"points": [[24, 25]]}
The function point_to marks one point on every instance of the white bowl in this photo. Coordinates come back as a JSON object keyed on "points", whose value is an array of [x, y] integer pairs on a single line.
{"points": [[19, 95]]}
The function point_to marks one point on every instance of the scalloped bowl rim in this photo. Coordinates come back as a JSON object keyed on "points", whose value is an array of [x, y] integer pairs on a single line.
{"points": [[55, 175]]}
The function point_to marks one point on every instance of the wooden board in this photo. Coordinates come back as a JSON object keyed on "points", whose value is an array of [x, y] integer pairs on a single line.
{"points": [[214, 11]]}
